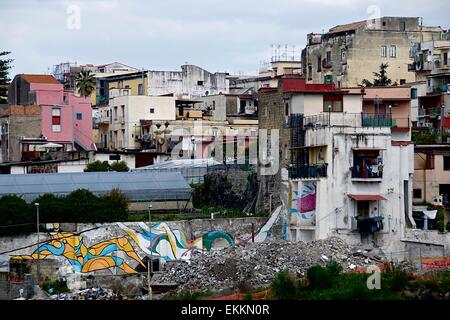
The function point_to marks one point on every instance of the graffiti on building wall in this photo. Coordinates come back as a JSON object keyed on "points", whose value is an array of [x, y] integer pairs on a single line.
{"points": [[162, 241], [173, 244], [429, 263], [303, 205], [83, 259]]}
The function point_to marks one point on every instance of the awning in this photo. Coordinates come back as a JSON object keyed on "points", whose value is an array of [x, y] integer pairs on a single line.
{"points": [[52, 145], [366, 197], [366, 149]]}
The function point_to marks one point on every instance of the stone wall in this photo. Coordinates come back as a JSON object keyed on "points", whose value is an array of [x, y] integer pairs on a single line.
{"points": [[271, 116]]}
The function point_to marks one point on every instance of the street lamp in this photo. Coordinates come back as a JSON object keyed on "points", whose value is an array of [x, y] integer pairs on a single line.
{"points": [[38, 242], [390, 114], [193, 147], [150, 262]]}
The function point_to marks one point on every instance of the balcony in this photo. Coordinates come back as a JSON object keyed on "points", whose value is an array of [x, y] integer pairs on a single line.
{"points": [[377, 120], [327, 64], [367, 173], [308, 171], [104, 120]]}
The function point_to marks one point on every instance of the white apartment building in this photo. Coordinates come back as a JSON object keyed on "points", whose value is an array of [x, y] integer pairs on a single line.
{"points": [[125, 115]]}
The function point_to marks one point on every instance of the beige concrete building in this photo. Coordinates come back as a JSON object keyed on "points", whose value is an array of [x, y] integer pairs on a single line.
{"points": [[347, 54], [432, 176]]}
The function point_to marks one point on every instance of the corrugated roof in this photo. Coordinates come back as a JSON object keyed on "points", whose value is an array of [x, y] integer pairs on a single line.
{"points": [[40, 78], [137, 186]]}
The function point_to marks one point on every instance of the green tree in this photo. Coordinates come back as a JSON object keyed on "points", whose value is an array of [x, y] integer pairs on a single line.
{"points": [[98, 166], [120, 166], [82, 206], [16, 216], [284, 286], [51, 208], [381, 78], [5, 66], [85, 83]]}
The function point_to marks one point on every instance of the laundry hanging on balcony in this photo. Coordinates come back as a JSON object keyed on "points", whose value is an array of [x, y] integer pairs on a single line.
{"points": [[369, 224]]}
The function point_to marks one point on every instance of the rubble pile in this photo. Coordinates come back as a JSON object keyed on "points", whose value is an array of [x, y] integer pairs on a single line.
{"points": [[87, 294], [256, 264]]}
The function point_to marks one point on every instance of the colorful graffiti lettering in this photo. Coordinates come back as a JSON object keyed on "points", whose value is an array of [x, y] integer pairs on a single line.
{"points": [[172, 244], [304, 205], [86, 259], [429, 263]]}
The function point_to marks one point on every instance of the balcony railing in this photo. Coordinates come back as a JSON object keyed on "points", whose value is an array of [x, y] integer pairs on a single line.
{"points": [[308, 171], [370, 172]]}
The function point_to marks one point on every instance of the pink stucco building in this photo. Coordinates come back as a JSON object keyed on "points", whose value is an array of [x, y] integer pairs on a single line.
{"points": [[48, 114]]}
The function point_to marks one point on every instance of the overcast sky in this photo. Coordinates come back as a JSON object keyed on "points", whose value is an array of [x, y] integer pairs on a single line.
{"points": [[218, 35]]}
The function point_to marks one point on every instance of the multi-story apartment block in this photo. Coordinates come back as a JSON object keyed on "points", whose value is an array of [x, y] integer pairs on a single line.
{"points": [[341, 170], [347, 54], [432, 63]]}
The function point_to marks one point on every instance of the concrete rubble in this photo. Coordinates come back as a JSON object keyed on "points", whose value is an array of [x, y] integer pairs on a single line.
{"points": [[256, 264], [87, 294]]}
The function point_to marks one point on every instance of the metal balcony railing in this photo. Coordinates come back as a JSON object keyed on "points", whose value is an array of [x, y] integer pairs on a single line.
{"points": [[308, 171]]}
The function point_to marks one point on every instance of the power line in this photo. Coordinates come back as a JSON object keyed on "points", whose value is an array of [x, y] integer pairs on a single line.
{"points": [[17, 225], [46, 241]]}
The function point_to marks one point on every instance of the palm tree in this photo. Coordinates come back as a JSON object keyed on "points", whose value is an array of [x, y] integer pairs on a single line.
{"points": [[85, 83]]}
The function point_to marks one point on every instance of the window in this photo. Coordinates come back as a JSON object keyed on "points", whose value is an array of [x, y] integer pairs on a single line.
{"points": [[328, 79], [343, 54], [115, 113], [152, 110], [446, 163], [309, 72], [393, 52], [384, 51], [402, 81], [328, 56], [445, 59], [286, 109], [79, 116], [332, 103], [56, 120], [429, 162], [413, 93], [319, 64], [199, 83], [417, 193], [140, 89]]}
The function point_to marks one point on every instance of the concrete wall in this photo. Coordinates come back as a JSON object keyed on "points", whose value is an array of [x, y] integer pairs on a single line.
{"points": [[120, 247], [185, 83], [22, 121]]}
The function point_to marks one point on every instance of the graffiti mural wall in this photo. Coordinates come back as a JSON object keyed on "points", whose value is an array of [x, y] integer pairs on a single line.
{"points": [[122, 246], [303, 205]]}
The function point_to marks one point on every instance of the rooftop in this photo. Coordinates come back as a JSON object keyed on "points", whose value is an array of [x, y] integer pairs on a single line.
{"points": [[39, 78], [137, 186]]}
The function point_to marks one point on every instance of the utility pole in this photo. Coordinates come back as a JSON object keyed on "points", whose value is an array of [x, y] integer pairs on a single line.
{"points": [[150, 262], [442, 123], [38, 252]]}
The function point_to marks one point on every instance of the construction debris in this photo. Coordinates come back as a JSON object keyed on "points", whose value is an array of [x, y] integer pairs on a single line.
{"points": [[256, 264], [87, 294]]}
